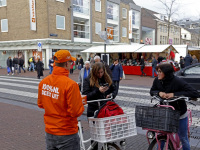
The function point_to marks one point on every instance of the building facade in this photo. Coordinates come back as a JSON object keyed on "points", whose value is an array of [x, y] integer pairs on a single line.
{"points": [[190, 37], [64, 24]]}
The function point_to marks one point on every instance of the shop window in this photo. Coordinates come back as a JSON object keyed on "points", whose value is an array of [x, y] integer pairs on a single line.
{"points": [[98, 5], [124, 13], [3, 3], [112, 11], [97, 27], [4, 25], [81, 6], [60, 22], [61, 1], [81, 28], [124, 32]]}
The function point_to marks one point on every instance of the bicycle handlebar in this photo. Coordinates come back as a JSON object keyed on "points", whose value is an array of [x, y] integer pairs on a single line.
{"points": [[99, 100]]}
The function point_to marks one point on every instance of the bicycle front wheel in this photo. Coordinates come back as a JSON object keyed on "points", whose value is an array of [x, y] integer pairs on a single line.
{"points": [[162, 140], [111, 146]]}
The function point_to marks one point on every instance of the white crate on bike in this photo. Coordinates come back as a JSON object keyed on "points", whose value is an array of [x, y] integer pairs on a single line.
{"points": [[113, 128]]}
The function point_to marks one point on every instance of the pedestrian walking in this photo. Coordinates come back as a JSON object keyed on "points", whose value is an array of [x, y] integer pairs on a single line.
{"points": [[72, 67], [83, 74], [92, 61], [51, 61], [39, 68], [32, 64], [142, 66], [188, 60], [21, 65], [9, 63], [81, 62], [182, 63], [60, 97], [15, 64], [117, 73], [98, 85], [195, 60], [98, 59], [154, 64]]}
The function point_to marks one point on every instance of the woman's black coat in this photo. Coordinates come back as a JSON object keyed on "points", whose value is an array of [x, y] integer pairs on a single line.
{"points": [[93, 93], [142, 64], [9, 62], [178, 87], [39, 68]]}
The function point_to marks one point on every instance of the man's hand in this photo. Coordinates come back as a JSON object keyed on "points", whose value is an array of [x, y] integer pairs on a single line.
{"points": [[108, 96], [162, 94], [103, 89], [170, 95], [120, 78]]}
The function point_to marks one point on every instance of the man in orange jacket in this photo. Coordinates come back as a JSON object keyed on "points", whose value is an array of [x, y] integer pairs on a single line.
{"points": [[60, 97]]}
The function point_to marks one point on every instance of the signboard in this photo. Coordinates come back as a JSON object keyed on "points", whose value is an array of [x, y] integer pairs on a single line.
{"points": [[110, 33], [37, 55], [148, 41], [32, 15], [39, 46], [170, 42], [130, 24]]}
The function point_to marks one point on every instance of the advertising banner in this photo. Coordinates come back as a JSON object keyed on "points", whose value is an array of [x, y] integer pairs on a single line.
{"points": [[37, 55], [32, 15], [110, 33], [170, 41], [130, 24]]}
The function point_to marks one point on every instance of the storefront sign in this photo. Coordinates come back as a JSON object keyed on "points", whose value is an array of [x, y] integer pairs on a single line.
{"points": [[110, 33], [130, 24], [148, 41], [54, 35], [32, 15], [170, 42], [37, 55]]}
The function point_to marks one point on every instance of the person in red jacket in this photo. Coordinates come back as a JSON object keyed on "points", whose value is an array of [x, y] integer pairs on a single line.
{"points": [[59, 96]]}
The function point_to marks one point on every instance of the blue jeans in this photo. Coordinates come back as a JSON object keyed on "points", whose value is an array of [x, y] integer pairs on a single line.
{"points": [[31, 66], [20, 68], [51, 69], [153, 70], [182, 133], [62, 142]]}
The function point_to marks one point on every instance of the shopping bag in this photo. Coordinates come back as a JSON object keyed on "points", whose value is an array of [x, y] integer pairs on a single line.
{"points": [[74, 67], [8, 69], [123, 76], [12, 68]]}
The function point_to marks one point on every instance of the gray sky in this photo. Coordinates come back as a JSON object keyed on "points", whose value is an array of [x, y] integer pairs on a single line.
{"points": [[188, 8]]}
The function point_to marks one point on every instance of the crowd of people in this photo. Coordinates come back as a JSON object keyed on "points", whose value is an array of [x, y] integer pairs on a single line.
{"points": [[188, 60]]}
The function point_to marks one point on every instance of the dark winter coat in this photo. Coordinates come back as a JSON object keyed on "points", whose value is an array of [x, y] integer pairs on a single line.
{"points": [[93, 93], [188, 60], [39, 68], [107, 69], [117, 72], [15, 61], [177, 86], [9, 62], [195, 61], [182, 63], [154, 63], [21, 62], [81, 61], [142, 64]]}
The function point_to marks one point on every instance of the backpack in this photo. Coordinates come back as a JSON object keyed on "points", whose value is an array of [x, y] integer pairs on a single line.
{"points": [[110, 108], [31, 60]]}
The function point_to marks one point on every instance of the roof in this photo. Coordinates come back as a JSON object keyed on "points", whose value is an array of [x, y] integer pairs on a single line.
{"points": [[195, 31], [155, 49], [127, 1]]}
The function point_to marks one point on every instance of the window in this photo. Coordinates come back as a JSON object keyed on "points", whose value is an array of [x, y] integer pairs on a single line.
{"points": [[98, 5], [163, 40], [124, 32], [2, 3], [160, 39], [124, 13], [136, 18], [97, 27], [193, 70], [60, 22], [81, 6], [81, 28], [61, 1], [4, 25], [112, 11]]}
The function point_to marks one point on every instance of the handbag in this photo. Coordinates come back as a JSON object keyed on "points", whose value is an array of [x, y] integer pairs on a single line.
{"points": [[79, 67], [123, 76], [8, 69], [74, 67]]}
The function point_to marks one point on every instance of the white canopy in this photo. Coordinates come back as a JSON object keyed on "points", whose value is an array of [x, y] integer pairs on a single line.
{"points": [[114, 49], [154, 49]]}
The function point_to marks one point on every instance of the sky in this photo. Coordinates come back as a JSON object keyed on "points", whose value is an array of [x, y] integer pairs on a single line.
{"points": [[188, 9]]}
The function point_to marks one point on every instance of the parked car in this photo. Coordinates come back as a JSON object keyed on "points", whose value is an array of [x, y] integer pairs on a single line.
{"points": [[191, 74]]}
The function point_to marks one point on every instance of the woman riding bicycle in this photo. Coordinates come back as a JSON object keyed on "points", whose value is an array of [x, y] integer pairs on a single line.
{"points": [[167, 86], [98, 85]]}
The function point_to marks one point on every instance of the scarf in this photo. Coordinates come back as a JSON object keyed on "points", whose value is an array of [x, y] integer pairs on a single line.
{"points": [[85, 73]]}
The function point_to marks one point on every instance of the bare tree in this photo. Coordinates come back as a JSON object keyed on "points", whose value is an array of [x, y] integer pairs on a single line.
{"points": [[170, 9]]}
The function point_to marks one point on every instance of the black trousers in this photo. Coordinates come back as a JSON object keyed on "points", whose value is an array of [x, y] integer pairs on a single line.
{"points": [[71, 71], [142, 68], [116, 83]]}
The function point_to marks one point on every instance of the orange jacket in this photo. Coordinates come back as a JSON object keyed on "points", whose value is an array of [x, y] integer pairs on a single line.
{"points": [[60, 97]]}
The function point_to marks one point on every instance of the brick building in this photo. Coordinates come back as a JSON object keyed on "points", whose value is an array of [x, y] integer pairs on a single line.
{"points": [[64, 24]]}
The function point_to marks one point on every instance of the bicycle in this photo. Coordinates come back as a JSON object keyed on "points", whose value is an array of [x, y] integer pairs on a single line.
{"points": [[171, 139], [111, 145]]}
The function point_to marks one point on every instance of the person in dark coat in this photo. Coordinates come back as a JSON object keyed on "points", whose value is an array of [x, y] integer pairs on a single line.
{"points": [[182, 63], [9, 63], [117, 73], [98, 59], [21, 64], [160, 58], [15, 64], [94, 89], [154, 64], [39, 68], [81, 62], [188, 60], [51, 61], [166, 85], [195, 60], [142, 66]]}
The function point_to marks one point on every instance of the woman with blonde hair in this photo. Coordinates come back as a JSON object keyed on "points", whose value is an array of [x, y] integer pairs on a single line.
{"points": [[98, 85]]}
